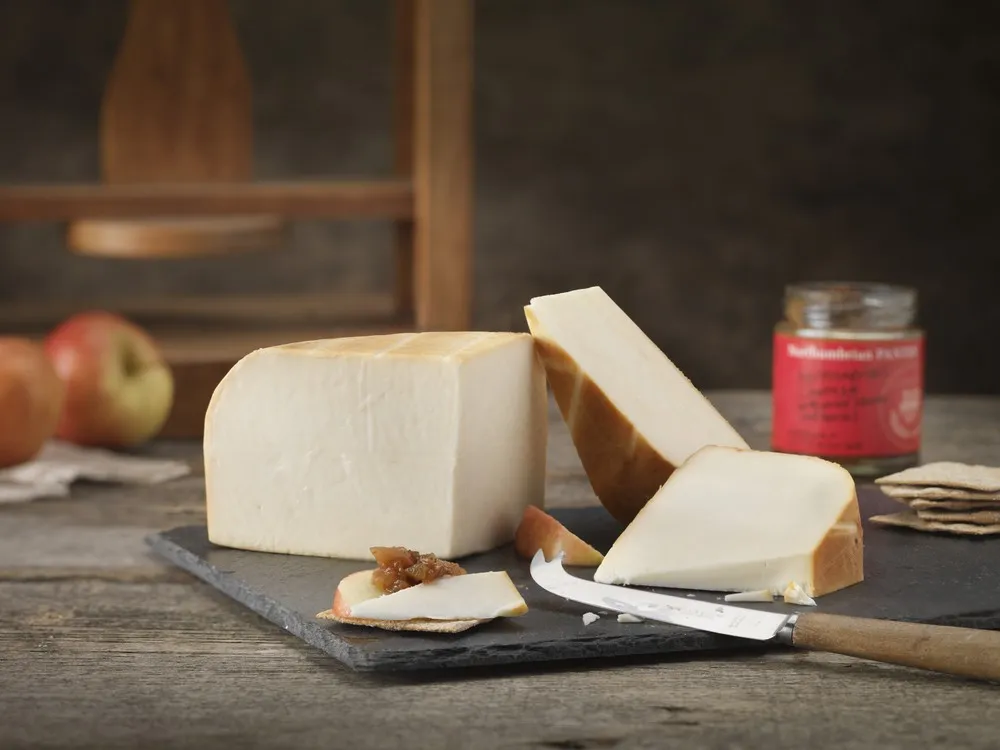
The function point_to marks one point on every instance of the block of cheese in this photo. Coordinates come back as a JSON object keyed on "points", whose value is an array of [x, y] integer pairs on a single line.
{"points": [[633, 415], [431, 441], [740, 520]]}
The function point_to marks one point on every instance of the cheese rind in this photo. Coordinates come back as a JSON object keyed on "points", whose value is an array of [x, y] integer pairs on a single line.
{"points": [[632, 414], [432, 441], [739, 520]]}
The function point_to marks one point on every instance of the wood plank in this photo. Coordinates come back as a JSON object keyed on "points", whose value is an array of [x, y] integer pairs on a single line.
{"points": [[175, 238], [443, 163], [230, 311], [177, 107], [403, 20], [114, 665], [387, 198]]}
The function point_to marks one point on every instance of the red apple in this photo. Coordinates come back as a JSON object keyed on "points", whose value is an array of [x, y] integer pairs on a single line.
{"points": [[540, 531], [31, 397], [119, 387]]}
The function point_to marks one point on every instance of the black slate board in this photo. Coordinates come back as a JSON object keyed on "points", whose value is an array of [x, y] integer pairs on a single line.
{"points": [[910, 576]]}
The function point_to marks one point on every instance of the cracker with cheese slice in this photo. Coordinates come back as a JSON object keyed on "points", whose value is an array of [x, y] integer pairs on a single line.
{"points": [[447, 605], [947, 474], [416, 625], [909, 519]]}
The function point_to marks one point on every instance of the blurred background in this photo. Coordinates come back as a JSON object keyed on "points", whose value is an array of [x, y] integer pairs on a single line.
{"points": [[689, 156]]}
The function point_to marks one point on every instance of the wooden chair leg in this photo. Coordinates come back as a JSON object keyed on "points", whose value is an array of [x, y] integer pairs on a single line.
{"points": [[442, 163]]}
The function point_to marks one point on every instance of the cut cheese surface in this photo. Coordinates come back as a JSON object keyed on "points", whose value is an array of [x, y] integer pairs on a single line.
{"points": [[432, 441], [633, 415], [742, 520], [474, 596]]}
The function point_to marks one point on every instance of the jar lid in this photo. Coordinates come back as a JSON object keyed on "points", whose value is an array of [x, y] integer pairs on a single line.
{"points": [[849, 304]]}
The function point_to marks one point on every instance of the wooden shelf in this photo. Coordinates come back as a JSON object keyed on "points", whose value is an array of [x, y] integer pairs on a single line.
{"points": [[385, 199], [171, 159], [310, 309]]}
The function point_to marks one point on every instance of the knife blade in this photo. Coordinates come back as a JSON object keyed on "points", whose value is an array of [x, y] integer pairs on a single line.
{"points": [[715, 618], [965, 652]]}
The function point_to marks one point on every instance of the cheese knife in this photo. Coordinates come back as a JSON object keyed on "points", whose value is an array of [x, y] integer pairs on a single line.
{"points": [[965, 652]]}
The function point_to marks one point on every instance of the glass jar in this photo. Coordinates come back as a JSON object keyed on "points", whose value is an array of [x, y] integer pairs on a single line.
{"points": [[848, 376]]}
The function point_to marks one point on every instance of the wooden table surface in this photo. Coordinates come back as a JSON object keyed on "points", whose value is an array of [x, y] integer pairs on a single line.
{"points": [[104, 646]]}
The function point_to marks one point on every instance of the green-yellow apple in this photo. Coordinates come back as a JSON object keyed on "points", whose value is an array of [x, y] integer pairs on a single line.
{"points": [[31, 398], [119, 387]]}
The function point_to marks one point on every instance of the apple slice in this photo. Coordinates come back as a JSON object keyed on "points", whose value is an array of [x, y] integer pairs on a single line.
{"points": [[540, 531], [447, 605]]}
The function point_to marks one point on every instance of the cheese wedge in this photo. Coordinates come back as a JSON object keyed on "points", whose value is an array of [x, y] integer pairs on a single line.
{"points": [[633, 415], [473, 596], [325, 448], [741, 520]]}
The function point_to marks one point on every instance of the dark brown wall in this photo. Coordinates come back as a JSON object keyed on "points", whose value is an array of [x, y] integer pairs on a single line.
{"points": [[691, 157]]}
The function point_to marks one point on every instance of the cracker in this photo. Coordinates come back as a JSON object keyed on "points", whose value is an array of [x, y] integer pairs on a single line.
{"points": [[421, 625], [909, 519], [938, 493], [981, 517], [919, 504], [948, 474]]}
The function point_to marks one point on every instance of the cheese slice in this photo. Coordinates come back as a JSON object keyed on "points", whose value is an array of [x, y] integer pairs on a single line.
{"points": [[473, 596], [633, 415], [432, 441], [741, 520], [540, 531]]}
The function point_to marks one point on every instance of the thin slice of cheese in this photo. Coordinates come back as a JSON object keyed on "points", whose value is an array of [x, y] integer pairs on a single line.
{"points": [[474, 596], [740, 520], [540, 531], [633, 415], [762, 595], [432, 441]]}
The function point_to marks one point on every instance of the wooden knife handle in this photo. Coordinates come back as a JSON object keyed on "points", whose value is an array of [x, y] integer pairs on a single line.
{"points": [[966, 652]]}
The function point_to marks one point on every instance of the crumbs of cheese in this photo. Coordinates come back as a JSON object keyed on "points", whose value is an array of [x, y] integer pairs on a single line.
{"points": [[762, 595], [626, 617], [590, 617], [795, 594]]}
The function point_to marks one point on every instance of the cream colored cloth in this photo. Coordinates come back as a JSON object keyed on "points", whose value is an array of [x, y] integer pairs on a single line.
{"points": [[59, 464]]}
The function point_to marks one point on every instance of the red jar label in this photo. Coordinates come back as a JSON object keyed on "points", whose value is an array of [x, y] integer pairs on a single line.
{"points": [[847, 399]]}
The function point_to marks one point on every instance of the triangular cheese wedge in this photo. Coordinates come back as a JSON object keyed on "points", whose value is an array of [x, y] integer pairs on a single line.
{"points": [[738, 520], [447, 605], [633, 415], [540, 531]]}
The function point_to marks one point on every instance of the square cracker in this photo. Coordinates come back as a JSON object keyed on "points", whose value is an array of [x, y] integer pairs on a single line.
{"points": [[938, 493], [909, 519], [980, 517], [919, 504], [948, 474], [422, 626]]}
